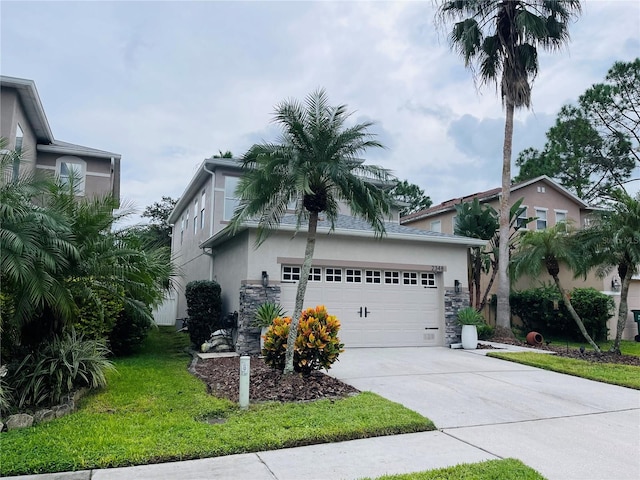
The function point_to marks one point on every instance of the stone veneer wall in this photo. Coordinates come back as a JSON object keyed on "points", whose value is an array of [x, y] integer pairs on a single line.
{"points": [[452, 303], [251, 297]]}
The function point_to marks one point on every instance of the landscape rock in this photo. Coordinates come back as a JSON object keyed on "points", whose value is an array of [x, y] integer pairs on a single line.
{"points": [[44, 415], [19, 420], [62, 410]]}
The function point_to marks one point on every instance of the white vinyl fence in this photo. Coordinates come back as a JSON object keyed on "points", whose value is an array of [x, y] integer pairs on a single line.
{"points": [[165, 313]]}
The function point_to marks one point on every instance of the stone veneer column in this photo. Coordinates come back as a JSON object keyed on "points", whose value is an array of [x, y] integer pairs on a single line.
{"points": [[452, 303], [251, 297]]}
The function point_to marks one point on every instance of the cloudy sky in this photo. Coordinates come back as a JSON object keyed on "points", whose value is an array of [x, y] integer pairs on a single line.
{"points": [[167, 84]]}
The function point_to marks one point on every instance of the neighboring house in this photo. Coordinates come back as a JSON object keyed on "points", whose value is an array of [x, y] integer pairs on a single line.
{"points": [[401, 290], [24, 124], [549, 203]]}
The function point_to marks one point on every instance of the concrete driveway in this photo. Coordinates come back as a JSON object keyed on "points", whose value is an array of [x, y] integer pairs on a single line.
{"points": [[565, 427]]}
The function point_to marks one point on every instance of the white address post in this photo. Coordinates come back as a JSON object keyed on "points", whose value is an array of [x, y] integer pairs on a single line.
{"points": [[244, 381]]}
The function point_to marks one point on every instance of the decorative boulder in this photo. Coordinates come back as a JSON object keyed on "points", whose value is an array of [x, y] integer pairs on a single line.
{"points": [[44, 415], [20, 420]]}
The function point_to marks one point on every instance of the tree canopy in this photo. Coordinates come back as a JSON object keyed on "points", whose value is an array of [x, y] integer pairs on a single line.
{"points": [[412, 195]]}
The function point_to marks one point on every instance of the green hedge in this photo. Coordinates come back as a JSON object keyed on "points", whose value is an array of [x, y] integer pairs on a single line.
{"points": [[204, 307], [543, 310]]}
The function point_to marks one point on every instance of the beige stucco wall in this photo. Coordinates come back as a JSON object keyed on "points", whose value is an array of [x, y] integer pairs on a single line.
{"points": [[342, 250], [12, 114]]}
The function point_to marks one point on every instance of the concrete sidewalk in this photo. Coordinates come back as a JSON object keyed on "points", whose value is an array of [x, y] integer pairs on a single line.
{"points": [[564, 427]]}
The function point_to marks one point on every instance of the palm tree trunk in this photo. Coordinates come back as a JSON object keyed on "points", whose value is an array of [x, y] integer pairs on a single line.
{"points": [[494, 271], [503, 313], [477, 275], [623, 310], [302, 289], [567, 301], [471, 277]]}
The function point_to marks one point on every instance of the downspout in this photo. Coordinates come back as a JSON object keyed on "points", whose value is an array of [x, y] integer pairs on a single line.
{"points": [[213, 203]]}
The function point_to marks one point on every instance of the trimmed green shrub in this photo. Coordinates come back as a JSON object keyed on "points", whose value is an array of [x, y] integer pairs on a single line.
{"points": [[317, 344], [66, 363], [130, 330], [543, 310], [204, 307], [98, 308]]}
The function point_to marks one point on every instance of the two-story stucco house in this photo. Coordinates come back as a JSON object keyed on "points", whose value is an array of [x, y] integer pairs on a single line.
{"points": [[25, 126], [549, 203], [401, 290]]}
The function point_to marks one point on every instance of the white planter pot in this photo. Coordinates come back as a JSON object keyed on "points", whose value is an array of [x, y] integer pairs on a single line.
{"points": [[469, 337]]}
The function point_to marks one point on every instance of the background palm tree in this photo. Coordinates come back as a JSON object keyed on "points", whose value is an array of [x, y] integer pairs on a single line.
{"points": [[548, 249], [613, 241], [315, 166], [499, 40]]}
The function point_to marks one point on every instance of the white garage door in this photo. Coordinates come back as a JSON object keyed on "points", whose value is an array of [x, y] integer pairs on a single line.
{"points": [[376, 308]]}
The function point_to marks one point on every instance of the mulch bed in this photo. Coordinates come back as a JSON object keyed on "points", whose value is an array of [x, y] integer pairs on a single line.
{"points": [[571, 352], [222, 376]]}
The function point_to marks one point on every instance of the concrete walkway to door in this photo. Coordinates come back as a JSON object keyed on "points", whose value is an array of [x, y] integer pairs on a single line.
{"points": [[565, 427]]}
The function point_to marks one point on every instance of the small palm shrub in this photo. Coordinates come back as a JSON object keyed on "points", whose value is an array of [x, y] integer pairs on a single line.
{"points": [[317, 344], [266, 314], [65, 363], [5, 391], [98, 308]]}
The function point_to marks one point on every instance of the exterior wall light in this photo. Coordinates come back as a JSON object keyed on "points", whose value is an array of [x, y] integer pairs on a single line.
{"points": [[265, 279], [615, 284], [456, 286]]}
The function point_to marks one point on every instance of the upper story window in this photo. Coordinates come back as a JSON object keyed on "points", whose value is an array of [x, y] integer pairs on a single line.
{"points": [[454, 223], [202, 204], [195, 216], [16, 161], [230, 200], [541, 222], [521, 221], [72, 171], [181, 229], [436, 226], [186, 220]]}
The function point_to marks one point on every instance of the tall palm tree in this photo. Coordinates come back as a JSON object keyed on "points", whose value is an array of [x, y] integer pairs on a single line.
{"points": [[499, 39], [548, 249], [613, 241], [315, 165]]}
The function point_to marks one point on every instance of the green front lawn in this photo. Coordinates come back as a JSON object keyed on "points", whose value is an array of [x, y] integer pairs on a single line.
{"points": [[507, 469], [154, 411], [623, 375]]}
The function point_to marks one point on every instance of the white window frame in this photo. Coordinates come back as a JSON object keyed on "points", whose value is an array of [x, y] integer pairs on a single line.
{"points": [[69, 160], [561, 212], [181, 229], [521, 219], [410, 278], [436, 226], [315, 274], [545, 212], [230, 200], [333, 275], [203, 203], [373, 277], [353, 275], [391, 277], [195, 216], [428, 280], [290, 273]]}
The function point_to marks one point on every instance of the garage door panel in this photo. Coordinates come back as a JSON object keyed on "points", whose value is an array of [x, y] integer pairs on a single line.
{"points": [[397, 315]]}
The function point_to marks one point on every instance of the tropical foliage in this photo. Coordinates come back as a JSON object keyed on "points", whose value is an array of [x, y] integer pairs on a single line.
{"points": [[204, 307], [67, 272], [316, 346], [613, 241], [412, 196], [267, 313], [314, 167], [548, 249], [499, 40]]}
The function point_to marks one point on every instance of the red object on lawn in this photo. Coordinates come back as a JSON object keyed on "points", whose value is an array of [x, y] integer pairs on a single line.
{"points": [[534, 338]]}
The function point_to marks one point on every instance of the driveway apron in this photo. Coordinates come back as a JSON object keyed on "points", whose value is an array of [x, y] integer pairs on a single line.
{"points": [[565, 427]]}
